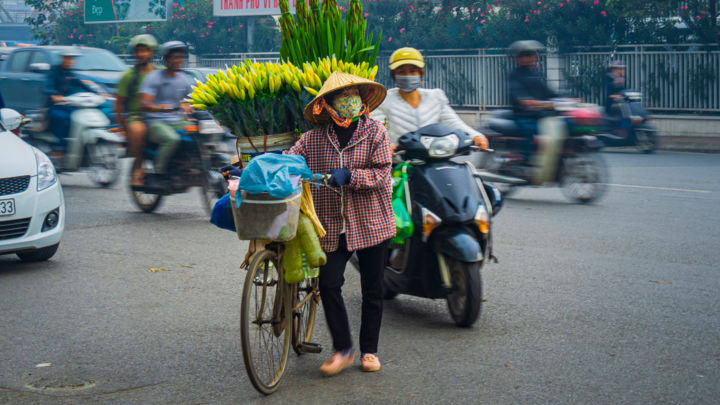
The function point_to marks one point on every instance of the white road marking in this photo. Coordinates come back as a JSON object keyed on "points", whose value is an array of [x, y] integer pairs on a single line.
{"points": [[684, 190]]}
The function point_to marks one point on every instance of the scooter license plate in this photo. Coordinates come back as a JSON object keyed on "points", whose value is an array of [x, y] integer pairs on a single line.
{"points": [[7, 207]]}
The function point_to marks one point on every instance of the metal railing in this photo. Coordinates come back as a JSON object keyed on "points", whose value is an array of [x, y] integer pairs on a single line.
{"points": [[679, 78], [671, 77]]}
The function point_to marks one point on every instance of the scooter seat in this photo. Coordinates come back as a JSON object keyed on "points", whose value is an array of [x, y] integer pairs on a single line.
{"points": [[501, 125], [502, 114]]}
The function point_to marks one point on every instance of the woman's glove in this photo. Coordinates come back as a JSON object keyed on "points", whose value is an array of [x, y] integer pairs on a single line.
{"points": [[230, 170], [339, 177]]}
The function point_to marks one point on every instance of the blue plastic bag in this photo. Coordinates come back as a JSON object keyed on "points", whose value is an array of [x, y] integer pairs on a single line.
{"points": [[222, 216], [270, 173]]}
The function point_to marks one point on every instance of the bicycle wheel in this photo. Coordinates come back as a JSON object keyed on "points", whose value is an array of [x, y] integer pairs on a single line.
{"points": [[264, 324], [306, 298]]}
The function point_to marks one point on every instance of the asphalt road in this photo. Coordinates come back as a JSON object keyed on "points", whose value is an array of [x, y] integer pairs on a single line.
{"points": [[615, 302]]}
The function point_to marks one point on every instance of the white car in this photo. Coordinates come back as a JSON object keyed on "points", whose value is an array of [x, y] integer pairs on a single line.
{"points": [[32, 208]]}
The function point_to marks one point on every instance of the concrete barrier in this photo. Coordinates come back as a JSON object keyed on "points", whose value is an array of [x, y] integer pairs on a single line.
{"points": [[677, 132]]}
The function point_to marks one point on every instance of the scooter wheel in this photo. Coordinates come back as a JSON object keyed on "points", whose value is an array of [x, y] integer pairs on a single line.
{"points": [[584, 177], [465, 300]]}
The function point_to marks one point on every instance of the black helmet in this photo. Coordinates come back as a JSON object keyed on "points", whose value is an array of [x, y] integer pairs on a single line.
{"points": [[173, 46], [528, 47]]}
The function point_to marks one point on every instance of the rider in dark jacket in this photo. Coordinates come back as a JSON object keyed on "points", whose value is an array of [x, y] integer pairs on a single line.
{"points": [[62, 82], [528, 90], [614, 84], [617, 117]]}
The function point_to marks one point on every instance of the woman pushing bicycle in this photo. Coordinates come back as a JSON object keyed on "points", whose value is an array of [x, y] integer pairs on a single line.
{"points": [[355, 150]]}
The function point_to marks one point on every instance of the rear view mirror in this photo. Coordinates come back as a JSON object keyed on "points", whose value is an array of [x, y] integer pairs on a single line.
{"points": [[496, 198], [10, 119], [39, 67]]}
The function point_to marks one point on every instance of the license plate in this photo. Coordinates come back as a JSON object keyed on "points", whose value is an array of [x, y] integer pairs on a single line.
{"points": [[7, 207]]}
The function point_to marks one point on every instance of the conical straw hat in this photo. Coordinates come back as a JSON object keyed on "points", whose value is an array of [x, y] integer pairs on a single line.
{"points": [[372, 94]]}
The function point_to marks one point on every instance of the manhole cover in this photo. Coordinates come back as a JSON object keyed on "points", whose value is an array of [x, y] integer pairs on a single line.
{"points": [[57, 384]]}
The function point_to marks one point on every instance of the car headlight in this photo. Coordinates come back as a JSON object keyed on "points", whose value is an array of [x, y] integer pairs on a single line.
{"points": [[46, 176], [440, 147]]}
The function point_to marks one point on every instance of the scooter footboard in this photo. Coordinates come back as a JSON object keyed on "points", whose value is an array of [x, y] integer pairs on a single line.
{"points": [[457, 242]]}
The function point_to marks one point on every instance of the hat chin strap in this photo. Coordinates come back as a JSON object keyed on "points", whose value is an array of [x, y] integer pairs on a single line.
{"points": [[321, 105]]}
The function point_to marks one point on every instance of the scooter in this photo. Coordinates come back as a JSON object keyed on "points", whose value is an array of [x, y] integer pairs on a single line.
{"points": [[91, 145], [567, 152], [203, 149], [451, 210], [638, 131]]}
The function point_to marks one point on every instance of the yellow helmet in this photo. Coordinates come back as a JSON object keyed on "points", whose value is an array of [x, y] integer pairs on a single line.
{"points": [[406, 56]]}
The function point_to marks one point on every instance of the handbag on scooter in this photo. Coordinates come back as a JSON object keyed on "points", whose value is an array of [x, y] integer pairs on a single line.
{"points": [[403, 222]]}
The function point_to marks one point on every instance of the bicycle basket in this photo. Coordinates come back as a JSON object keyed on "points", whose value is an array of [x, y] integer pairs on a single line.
{"points": [[262, 216]]}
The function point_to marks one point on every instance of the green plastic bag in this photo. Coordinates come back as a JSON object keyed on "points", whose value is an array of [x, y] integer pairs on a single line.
{"points": [[403, 222], [292, 262]]}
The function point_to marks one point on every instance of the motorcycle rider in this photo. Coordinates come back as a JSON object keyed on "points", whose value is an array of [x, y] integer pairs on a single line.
{"points": [[161, 98], [614, 85], [127, 101], [62, 82], [409, 107], [528, 92]]}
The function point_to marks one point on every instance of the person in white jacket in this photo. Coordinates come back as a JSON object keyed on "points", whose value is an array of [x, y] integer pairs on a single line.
{"points": [[408, 107]]}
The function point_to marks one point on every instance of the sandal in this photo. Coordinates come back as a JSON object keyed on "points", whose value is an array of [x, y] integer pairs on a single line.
{"points": [[137, 178]]}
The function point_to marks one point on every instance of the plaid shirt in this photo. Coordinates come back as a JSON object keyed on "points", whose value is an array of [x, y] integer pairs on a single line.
{"points": [[364, 204]]}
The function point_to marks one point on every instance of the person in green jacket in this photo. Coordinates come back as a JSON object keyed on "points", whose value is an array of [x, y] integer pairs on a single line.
{"points": [[127, 102]]}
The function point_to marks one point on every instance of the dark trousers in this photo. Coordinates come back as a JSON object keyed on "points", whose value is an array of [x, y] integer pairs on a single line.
{"points": [[528, 128], [372, 267], [59, 117]]}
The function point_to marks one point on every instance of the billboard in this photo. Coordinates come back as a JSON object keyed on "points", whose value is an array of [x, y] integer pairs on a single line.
{"points": [[227, 8], [117, 11]]}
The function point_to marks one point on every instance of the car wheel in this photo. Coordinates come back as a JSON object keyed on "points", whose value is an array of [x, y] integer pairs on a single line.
{"points": [[38, 255]]}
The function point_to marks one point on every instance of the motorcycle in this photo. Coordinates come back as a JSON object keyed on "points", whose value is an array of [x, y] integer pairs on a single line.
{"points": [[451, 210], [203, 149], [91, 145], [567, 152], [638, 131]]}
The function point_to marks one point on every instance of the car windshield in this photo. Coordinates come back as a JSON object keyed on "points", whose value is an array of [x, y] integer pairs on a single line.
{"points": [[98, 59]]}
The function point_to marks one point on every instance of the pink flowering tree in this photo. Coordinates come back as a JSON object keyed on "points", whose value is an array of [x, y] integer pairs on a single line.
{"points": [[62, 22]]}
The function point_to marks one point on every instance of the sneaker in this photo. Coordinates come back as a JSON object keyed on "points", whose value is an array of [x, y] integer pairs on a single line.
{"points": [[369, 362], [337, 363]]}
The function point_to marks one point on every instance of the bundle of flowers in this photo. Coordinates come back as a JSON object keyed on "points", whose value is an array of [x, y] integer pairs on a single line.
{"points": [[256, 99]]}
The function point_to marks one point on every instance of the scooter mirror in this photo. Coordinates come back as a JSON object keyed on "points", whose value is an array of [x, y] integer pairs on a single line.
{"points": [[10, 119], [496, 198]]}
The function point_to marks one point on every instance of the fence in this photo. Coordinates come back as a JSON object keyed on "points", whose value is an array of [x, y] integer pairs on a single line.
{"points": [[674, 78]]}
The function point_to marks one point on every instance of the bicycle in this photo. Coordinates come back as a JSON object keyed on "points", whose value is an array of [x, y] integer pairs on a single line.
{"points": [[275, 316]]}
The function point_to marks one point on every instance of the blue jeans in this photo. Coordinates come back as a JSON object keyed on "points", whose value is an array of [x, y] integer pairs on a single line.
{"points": [[59, 117]]}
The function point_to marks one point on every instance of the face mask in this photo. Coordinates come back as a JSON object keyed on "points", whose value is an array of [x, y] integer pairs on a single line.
{"points": [[347, 106], [407, 83]]}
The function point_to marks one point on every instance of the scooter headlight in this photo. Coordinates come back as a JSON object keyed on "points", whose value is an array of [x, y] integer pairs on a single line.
{"points": [[430, 222], [482, 219], [46, 176], [440, 147]]}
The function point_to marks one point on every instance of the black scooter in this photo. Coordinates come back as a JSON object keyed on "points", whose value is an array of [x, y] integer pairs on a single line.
{"points": [[451, 210], [638, 131], [203, 149]]}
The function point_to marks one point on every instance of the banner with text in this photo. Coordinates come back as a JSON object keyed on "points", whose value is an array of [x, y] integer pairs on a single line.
{"points": [[109, 11], [228, 8]]}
